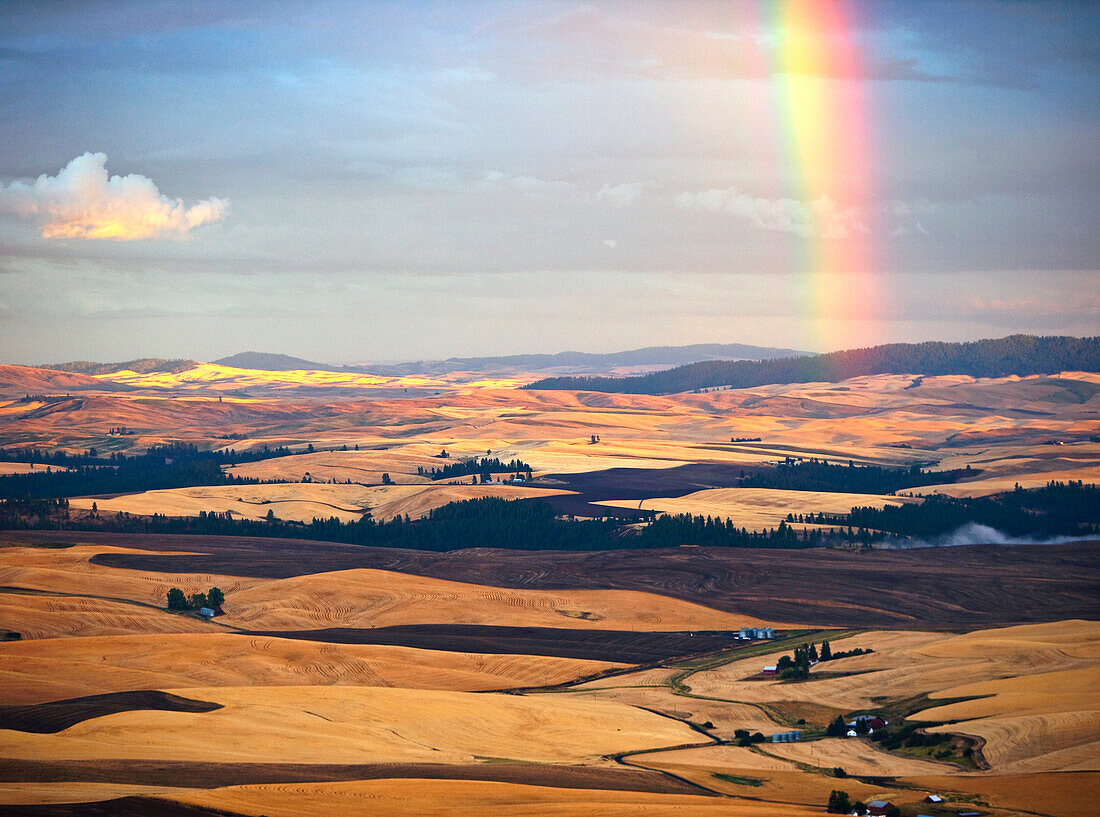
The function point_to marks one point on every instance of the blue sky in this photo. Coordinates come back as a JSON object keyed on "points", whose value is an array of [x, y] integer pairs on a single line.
{"points": [[358, 181]]}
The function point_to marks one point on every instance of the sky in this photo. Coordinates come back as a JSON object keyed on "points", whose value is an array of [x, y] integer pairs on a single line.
{"points": [[365, 181]]}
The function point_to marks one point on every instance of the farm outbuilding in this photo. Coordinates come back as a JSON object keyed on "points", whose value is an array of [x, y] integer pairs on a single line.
{"points": [[787, 737], [755, 633]]}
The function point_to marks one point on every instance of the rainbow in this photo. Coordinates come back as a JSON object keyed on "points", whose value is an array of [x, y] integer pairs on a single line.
{"points": [[819, 105]]}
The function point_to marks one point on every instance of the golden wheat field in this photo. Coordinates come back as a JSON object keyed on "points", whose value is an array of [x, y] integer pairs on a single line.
{"points": [[43, 670], [304, 501]]}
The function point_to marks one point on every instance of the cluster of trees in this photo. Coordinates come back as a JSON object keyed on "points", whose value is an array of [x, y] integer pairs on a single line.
{"points": [[46, 398], [820, 475], [797, 668], [485, 467], [840, 802], [41, 514], [1013, 355], [1057, 509], [838, 728], [909, 736], [743, 738], [843, 653], [178, 600]]}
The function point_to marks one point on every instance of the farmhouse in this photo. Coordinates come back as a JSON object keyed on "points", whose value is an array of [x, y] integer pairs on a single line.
{"points": [[933, 798], [206, 612], [878, 808], [769, 671], [872, 722]]}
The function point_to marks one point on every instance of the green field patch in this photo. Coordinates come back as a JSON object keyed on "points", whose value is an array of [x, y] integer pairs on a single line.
{"points": [[739, 780]]}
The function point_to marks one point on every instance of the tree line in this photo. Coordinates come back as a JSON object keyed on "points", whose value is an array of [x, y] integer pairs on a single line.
{"points": [[1014, 355], [1057, 509], [484, 466], [820, 475], [178, 465]]}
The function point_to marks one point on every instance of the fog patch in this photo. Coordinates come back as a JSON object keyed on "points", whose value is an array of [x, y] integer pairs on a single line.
{"points": [[973, 533]]}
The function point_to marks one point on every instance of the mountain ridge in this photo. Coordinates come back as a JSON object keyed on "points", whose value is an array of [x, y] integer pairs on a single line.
{"points": [[580, 362], [995, 357]]}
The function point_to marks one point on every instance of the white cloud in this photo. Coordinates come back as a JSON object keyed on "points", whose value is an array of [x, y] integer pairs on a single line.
{"points": [[621, 195], [81, 201], [822, 216]]}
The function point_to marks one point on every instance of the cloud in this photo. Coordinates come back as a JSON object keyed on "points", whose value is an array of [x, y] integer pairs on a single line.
{"points": [[621, 195], [822, 216], [81, 201]]}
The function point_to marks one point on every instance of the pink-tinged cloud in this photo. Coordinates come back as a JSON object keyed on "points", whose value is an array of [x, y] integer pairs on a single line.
{"points": [[82, 201], [820, 217]]}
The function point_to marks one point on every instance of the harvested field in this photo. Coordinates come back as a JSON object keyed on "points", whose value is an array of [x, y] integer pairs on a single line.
{"points": [[1038, 722], [726, 717], [926, 587], [784, 790], [467, 798], [132, 806], [905, 664], [1038, 708], [46, 615], [996, 485], [377, 598], [617, 646], [757, 508], [71, 571], [26, 468], [1068, 794], [215, 775], [328, 724], [855, 757], [715, 757], [57, 715], [38, 671], [304, 501]]}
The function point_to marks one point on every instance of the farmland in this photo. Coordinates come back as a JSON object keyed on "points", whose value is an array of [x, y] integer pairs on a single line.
{"points": [[373, 679]]}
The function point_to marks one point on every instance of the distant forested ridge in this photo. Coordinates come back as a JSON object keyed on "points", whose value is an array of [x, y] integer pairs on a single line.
{"points": [[144, 365], [1014, 355]]}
